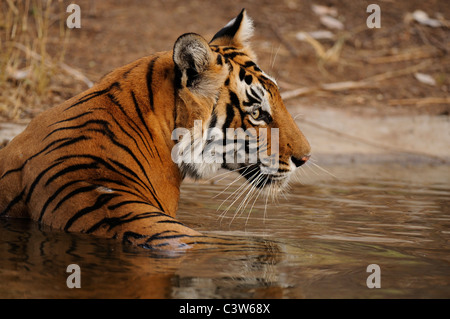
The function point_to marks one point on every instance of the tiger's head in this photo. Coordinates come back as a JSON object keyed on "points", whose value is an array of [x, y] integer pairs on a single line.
{"points": [[230, 113]]}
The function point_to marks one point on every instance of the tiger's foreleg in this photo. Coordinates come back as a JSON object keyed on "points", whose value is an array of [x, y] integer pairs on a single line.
{"points": [[149, 229], [128, 218], [143, 225]]}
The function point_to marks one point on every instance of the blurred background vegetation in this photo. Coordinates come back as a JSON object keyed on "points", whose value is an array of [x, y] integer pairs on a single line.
{"points": [[321, 52], [27, 70]]}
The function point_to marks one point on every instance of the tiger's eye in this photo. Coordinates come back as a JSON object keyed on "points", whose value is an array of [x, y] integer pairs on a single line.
{"points": [[255, 114]]}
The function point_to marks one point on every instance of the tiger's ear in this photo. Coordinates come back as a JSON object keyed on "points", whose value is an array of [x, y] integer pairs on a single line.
{"points": [[195, 63], [236, 33]]}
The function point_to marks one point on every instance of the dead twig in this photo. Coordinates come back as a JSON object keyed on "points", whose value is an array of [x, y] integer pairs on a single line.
{"points": [[396, 73], [420, 101], [348, 85], [415, 54], [71, 71]]}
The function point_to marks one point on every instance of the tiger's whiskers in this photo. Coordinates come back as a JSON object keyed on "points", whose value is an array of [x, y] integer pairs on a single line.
{"points": [[236, 193], [244, 187], [324, 170], [254, 192]]}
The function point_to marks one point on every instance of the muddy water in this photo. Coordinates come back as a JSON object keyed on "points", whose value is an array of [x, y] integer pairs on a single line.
{"points": [[314, 242]]}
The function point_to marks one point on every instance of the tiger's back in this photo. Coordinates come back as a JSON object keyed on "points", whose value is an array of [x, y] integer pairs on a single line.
{"points": [[65, 157]]}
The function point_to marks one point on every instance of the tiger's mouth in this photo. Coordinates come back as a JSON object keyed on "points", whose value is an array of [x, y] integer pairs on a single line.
{"points": [[263, 177]]}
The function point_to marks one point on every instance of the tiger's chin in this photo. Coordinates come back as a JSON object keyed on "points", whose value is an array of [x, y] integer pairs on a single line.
{"points": [[260, 176], [266, 179]]}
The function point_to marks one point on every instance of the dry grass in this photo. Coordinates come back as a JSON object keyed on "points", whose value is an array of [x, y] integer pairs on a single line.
{"points": [[29, 26]]}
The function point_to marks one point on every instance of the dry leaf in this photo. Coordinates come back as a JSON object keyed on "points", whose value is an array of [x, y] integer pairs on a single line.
{"points": [[323, 10], [331, 22], [425, 78], [422, 17], [319, 34]]}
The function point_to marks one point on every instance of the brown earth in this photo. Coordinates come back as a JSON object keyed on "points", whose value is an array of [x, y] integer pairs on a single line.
{"points": [[117, 32], [114, 33]]}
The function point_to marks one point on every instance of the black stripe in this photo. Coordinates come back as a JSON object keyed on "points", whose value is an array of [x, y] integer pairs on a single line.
{"points": [[127, 150], [50, 145], [249, 64], [55, 194], [93, 157], [130, 234], [230, 64], [234, 54], [170, 222], [92, 95], [11, 204], [228, 49], [159, 237], [33, 156], [125, 74], [141, 117], [70, 169], [177, 78], [265, 84], [88, 97], [117, 221], [13, 170], [107, 132], [248, 79], [149, 82], [73, 193], [152, 190], [69, 142], [241, 74], [72, 118], [175, 111], [115, 206], [37, 179], [255, 94], [138, 146], [99, 203], [108, 166], [103, 123], [251, 99], [235, 100], [213, 120], [131, 123], [237, 104], [219, 60], [113, 222], [229, 118], [131, 172]]}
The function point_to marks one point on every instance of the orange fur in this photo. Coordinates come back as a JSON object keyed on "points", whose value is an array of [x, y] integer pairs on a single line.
{"points": [[101, 163]]}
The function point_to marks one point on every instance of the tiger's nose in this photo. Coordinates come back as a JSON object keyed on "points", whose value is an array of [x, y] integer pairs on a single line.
{"points": [[300, 161]]}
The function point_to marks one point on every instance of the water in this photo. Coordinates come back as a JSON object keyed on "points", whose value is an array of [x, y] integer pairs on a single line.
{"points": [[314, 242]]}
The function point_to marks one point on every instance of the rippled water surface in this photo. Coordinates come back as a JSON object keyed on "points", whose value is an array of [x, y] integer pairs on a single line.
{"points": [[314, 242]]}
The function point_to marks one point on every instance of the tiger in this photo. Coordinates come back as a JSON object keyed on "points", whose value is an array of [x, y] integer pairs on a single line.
{"points": [[102, 162]]}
